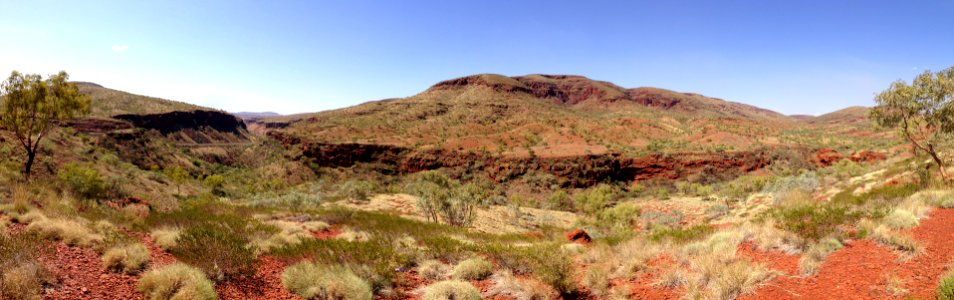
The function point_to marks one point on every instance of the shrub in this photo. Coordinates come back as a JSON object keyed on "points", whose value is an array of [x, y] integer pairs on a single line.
{"points": [[559, 200], [597, 279], [592, 200], [165, 238], [813, 222], [219, 249], [545, 261], [900, 219], [473, 269], [83, 181], [899, 241], [451, 289], [214, 183], [357, 190], [176, 281], [440, 198], [621, 216], [313, 281], [129, 259], [433, 270], [945, 288]]}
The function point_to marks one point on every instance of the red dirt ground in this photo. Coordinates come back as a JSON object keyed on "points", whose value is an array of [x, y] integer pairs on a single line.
{"points": [[863, 269], [266, 284], [643, 286]]}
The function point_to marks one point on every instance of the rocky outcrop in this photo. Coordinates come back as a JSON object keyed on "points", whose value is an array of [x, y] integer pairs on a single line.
{"points": [[188, 120]]}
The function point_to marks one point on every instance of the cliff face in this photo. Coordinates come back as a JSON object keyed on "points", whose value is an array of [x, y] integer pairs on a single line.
{"points": [[198, 120]]}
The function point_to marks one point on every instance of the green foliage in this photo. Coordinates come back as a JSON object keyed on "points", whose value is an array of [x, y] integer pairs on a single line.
{"points": [[357, 190], [314, 281], [591, 201], [177, 175], [945, 288], [620, 216], [83, 181], [546, 262], [559, 200], [743, 186], [922, 111], [214, 183], [813, 222], [219, 247], [32, 107], [441, 198], [176, 281]]}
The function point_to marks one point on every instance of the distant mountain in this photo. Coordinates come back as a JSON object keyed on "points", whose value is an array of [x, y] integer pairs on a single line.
{"points": [[108, 102], [248, 116], [550, 116]]}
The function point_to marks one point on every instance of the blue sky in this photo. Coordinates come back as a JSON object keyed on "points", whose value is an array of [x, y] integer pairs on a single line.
{"points": [[795, 57]]}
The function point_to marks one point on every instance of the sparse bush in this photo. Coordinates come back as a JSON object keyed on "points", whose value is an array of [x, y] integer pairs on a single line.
{"points": [[451, 289], [597, 279], [441, 198], [83, 181], [813, 222], [473, 269], [545, 261], [214, 183], [176, 281], [621, 216], [433, 270], [165, 238], [313, 281], [559, 200], [220, 249], [591, 201], [129, 259], [357, 190]]}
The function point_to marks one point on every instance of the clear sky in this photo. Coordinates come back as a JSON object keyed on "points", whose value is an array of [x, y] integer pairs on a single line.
{"points": [[795, 57]]}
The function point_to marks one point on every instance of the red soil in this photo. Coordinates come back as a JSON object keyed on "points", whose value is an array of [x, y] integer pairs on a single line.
{"points": [[643, 287], [266, 284], [82, 276], [772, 259], [327, 234], [863, 269]]}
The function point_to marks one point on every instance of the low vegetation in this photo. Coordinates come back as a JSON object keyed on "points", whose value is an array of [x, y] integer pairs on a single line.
{"points": [[313, 281], [452, 289], [176, 281], [129, 259]]}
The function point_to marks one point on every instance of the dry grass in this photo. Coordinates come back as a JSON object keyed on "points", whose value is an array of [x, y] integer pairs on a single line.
{"points": [[450, 289], [811, 262], [597, 279], [24, 281], [625, 259], [313, 281], [673, 278], [129, 259], [165, 238], [900, 219], [573, 248], [433, 270], [353, 235], [289, 233], [904, 243], [507, 285], [472, 269], [176, 281], [73, 233], [767, 236]]}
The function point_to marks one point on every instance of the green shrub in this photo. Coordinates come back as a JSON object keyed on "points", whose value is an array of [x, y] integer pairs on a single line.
{"points": [[945, 288], [129, 259], [313, 281], [176, 281], [441, 198], [214, 183], [83, 181], [813, 222], [451, 289], [547, 262], [900, 219], [559, 200], [591, 201], [473, 269], [621, 216], [220, 249], [357, 190]]}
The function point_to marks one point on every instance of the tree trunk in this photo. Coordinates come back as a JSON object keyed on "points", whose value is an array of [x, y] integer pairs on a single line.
{"points": [[940, 166], [28, 166]]}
